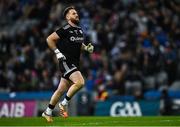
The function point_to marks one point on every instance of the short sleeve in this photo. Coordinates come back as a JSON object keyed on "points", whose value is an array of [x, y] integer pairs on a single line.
{"points": [[61, 32]]}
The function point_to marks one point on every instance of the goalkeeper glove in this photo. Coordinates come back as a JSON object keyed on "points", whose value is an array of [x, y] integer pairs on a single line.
{"points": [[59, 55], [89, 48]]}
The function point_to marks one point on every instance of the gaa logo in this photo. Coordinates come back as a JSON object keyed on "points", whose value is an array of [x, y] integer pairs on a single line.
{"points": [[125, 109]]}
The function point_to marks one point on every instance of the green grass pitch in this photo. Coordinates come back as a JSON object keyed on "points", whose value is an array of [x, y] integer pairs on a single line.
{"points": [[94, 121]]}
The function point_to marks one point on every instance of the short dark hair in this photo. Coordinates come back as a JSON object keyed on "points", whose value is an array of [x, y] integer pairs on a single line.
{"points": [[66, 10]]}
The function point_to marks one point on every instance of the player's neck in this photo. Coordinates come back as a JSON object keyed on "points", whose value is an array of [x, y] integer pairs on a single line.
{"points": [[72, 24]]}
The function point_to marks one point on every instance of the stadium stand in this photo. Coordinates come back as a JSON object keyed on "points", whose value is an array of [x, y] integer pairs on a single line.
{"points": [[137, 45]]}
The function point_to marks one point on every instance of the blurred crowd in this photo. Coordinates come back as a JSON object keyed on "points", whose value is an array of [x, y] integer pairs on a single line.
{"points": [[137, 45]]}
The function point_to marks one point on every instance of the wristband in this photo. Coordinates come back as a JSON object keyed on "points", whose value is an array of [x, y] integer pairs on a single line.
{"points": [[56, 51]]}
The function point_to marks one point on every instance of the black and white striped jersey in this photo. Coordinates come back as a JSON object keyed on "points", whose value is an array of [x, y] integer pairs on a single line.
{"points": [[71, 39]]}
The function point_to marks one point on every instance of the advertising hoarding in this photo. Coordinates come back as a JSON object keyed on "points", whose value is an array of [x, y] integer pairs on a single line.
{"points": [[17, 108]]}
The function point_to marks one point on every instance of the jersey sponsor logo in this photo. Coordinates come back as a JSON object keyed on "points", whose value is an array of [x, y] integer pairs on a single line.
{"points": [[76, 38]]}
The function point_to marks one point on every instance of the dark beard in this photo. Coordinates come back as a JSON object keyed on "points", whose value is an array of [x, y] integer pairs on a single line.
{"points": [[76, 22]]}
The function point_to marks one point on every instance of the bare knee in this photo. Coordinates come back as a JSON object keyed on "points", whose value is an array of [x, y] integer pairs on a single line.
{"points": [[79, 83]]}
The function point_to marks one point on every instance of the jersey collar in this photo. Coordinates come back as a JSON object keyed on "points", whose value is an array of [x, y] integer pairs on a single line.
{"points": [[74, 26]]}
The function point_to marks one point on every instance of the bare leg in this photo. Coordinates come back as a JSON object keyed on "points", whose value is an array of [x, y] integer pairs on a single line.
{"points": [[78, 81], [63, 86]]}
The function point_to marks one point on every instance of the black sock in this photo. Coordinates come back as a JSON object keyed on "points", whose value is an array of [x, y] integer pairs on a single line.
{"points": [[67, 98], [51, 106]]}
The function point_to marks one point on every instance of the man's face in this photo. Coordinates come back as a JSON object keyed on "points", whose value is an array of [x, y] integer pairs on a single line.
{"points": [[73, 16]]}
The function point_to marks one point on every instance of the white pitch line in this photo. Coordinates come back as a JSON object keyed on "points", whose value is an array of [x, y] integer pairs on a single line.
{"points": [[90, 126]]}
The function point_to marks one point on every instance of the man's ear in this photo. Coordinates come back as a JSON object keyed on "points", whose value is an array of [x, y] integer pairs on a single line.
{"points": [[67, 17]]}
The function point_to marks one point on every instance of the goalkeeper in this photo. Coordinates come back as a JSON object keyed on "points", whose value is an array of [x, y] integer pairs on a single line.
{"points": [[67, 43]]}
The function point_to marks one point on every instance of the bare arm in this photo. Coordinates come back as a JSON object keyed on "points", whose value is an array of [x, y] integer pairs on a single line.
{"points": [[52, 40]]}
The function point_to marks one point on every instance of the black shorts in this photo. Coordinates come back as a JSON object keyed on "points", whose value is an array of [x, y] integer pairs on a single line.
{"points": [[67, 68]]}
